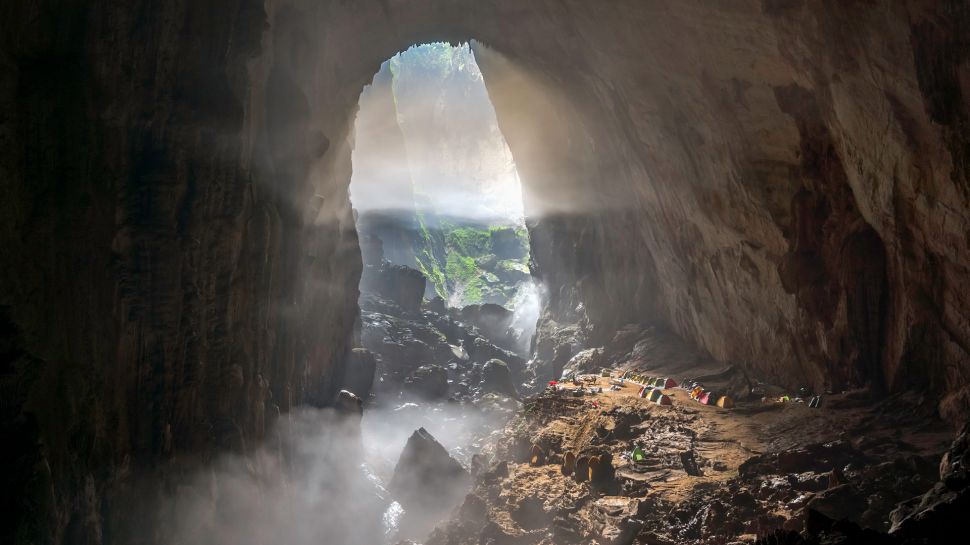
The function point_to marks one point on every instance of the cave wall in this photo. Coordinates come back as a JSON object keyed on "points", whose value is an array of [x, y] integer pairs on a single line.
{"points": [[166, 288], [783, 179], [782, 182]]}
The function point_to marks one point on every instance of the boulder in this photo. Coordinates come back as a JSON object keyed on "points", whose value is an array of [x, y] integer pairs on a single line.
{"points": [[940, 513], [426, 477], [496, 377], [436, 304], [428, 381], [402, 285], [587, 361]]}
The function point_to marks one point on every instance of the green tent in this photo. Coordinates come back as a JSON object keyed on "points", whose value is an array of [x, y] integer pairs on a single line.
{"points": [[638, 456]]}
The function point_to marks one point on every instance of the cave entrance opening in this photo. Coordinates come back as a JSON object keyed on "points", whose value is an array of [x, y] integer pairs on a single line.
{"points": [[448, 304], [436, 192]]}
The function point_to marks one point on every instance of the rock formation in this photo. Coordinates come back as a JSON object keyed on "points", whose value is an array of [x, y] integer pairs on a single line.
{"points": [[783, 183], [398, 283], [426, 476], [496, 377]]}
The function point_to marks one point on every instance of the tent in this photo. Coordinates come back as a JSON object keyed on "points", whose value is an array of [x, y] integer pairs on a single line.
{"points": [[638, 456], [568, 463], [655, 394], [664, 400], [725, 402], [536, 457]]}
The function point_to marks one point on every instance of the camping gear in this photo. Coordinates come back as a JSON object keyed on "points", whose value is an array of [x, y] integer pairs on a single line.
{"points": [[704, 398], [816, 402], [725, 402], [536, 457], [581, 471], [568, 463], [637, 456], [655, 394], [664, 400], [593, 465]]}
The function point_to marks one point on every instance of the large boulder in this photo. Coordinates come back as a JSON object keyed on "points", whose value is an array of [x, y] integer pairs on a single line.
{"points": [[496, 377], [587, 361], [402, 285], [429, 382], [939, 514], [426, 477]]}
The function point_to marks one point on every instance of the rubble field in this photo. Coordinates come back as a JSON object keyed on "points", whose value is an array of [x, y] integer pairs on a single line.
{"points": [[778, 471]]}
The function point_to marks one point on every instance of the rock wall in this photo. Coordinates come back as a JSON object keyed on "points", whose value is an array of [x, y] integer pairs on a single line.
{"points": [[783, 182], [170, 280]]}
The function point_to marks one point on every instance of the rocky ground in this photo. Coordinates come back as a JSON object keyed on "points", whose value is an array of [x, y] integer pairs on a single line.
{"points": [[711, 475], [553, 464], [436, 354]]}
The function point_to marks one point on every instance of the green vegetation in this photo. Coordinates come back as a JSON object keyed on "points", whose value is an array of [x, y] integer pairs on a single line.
{"points": [[461, 262], [470, 241]]}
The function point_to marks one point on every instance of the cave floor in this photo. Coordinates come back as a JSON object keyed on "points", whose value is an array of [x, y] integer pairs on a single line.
{"points": [[711, 475]]}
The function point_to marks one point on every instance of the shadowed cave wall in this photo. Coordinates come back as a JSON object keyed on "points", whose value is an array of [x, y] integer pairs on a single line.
{"points": [[784, 183]]}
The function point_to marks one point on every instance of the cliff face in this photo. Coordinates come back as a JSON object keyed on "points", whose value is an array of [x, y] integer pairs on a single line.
{"points": [[167, 284], [776, 184], [783, 182]]}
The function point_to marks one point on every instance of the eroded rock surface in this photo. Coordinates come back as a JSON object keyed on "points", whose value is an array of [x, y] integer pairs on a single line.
{"points": [[783, 183], [426, 477]]}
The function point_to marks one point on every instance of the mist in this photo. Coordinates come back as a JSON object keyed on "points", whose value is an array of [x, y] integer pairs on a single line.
{"points": [[427, 138], [319, 478]]}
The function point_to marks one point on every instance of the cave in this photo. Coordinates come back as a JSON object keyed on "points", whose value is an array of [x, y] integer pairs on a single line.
{"points": [[761, 204]]}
